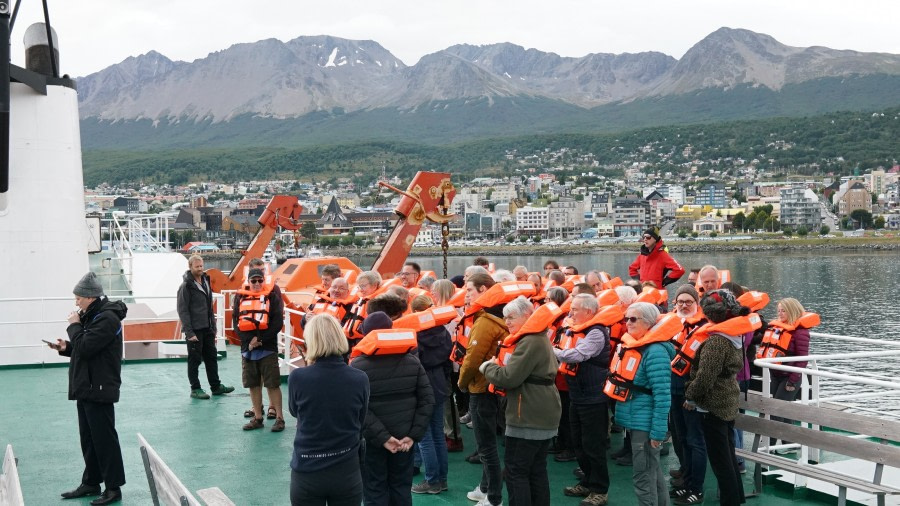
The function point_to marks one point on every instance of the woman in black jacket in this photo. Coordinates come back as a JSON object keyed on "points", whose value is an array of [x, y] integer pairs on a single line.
{"points": [[400, 404]]}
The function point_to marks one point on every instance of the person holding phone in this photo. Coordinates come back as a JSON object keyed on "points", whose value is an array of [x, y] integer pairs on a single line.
{"points": [[94, 348]]}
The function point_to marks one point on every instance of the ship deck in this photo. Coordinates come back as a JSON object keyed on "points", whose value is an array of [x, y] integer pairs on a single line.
{"points": [[202, 442]]}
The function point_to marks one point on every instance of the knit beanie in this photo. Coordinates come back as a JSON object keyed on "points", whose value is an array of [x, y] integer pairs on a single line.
{"points": [[720, 305], [88, 286], [652, 232], [376, 321], [690, 290]]}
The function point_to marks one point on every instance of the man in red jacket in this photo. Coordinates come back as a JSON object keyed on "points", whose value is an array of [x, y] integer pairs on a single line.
{"points": [[654, 262]]}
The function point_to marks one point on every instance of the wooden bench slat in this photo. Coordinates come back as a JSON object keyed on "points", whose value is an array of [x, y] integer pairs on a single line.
{"points": [[214, 496], [828, 441], [825, 417], [817, 472]]}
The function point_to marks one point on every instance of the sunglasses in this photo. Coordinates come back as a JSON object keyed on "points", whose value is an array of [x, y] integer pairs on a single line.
{"points": [[647, 237], [631, 319], [256, 280]]}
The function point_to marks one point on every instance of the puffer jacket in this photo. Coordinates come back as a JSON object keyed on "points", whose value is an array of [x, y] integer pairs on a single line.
{"points": [[650, 412], [194, 306], [528, 378], [95, 349], [400, 397], [434, 347], [484, 340]]}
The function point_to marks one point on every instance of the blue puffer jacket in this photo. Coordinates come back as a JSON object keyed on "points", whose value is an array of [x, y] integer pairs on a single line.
{"points": [[645, 412]]}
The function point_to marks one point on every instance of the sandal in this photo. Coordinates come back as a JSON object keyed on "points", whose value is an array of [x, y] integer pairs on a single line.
{"points": [[254, 423], [279, 425], [271, 414], [250, 414]]}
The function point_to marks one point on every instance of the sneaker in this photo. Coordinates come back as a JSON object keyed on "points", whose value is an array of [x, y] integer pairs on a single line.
{"points": [[198, 393], [692, 498], [279, 425], [221, 389], [454, 445], [565, 456], [594, 499], [474, 458], [469, 425], [424, 487], [679, 492], [476, 495], [578, 490], [254, 423], [465, 419]]}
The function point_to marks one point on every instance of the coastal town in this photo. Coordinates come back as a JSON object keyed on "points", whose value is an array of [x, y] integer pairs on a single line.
{"points": [[551, 195]]}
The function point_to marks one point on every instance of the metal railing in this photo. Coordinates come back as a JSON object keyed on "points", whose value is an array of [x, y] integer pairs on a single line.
{"points": [[138, 233]]}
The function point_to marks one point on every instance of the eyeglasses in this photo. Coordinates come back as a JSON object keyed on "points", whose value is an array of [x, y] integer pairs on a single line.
{"points": [[689, 302], [647, 237], [631, 319], [256, 281]]}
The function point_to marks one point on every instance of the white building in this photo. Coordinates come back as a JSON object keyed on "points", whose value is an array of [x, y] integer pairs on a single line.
{"points": [[532, 220], [800, 207], [566, 217]]}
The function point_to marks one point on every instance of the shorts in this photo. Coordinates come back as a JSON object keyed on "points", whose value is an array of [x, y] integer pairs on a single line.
{"points": [[264, 371]]}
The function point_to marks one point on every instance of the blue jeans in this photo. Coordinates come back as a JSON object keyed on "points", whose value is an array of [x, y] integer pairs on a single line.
{"points": [[433, 446], [526, 472], [483, 408], [689, 428]]}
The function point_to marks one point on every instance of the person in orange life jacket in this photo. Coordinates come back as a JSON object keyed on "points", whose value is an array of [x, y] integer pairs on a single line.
{"points": [[330, 272], [520, 272], [588, 411], [532, 409], [259, 346], [549, 266], [570, 270], [654, 262], [198, 323], [583, 288], [626, 295], [481, 262], [557, 277], [501, 275], [687, 425], [421, 303], [785, 386], [593, 279], [487, 331], [645, 410], [562, 446], [409, 274], [456, 402], [426, 282], [400, 404], [713, 390], [95, 376], [434, 345], [367, 283], [330, 400], [708, 278]]}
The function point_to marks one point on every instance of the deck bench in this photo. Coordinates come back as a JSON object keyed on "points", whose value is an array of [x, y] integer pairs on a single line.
{"points": [[880, 452]]}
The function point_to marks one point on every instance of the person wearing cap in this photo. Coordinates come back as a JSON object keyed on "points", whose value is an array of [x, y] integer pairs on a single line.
{"points": [[259, 348], [654, 262], [198, 323], [94, 349], [400, 406]]}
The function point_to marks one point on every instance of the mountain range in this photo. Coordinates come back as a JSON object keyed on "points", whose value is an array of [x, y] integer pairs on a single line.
{"points": [[323, 89]]}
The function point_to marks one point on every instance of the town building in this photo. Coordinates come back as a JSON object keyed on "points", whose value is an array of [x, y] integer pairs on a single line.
{"points": [[631, 216], [800, 207], [532, 221]]}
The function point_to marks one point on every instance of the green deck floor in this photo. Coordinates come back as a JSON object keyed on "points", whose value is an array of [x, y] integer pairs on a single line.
{"points": [[202, 441]]}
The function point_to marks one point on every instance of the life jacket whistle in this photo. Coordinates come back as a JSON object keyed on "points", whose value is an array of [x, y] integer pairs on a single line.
{"points": [[539, 321], [606, 317], [687, 354], [777, 339], [626, 360], [385, 342]]}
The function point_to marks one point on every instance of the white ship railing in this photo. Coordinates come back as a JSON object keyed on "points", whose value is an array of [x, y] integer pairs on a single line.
{"points": [[136, 233], [825, 382]]}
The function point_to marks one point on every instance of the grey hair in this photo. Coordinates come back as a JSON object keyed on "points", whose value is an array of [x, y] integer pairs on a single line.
{"points": [[426, 282], [587, 302], [518, 307], [373, 277], [520, 268], [475, 269], [626, 295], [558, 295], [501, 275], [646, 312]]}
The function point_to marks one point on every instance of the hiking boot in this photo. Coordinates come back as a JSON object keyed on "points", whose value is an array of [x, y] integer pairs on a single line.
{"points": [[254, 423], [594, 499], [565, 456], [691, 498], [198, 393], [221, 389], [279, 425], [424, 487], [578, 490], [476, 495]]}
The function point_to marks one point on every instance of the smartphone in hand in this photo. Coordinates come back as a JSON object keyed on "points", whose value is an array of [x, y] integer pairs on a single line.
{"points": [[51, 344]]}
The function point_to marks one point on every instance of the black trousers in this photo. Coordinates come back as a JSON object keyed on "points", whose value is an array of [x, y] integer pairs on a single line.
{"points": [[100, 444], [564, 433], [337, 485], [719, 436], [387, 477], [589, 432], [527, 483], [203, 350]]}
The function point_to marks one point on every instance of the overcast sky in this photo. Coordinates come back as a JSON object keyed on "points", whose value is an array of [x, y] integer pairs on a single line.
{"points": [[95, 34]]}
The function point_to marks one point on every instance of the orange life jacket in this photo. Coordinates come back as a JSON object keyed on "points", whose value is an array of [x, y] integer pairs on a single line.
{"points": [[385, 342], [427, 319], [653, 296], [571, 281], [461, 339], [500, 293], [609, 283], [336, 308], [754, 300], [606, 316], [459, 298], [627, 358], [253, 310], [539, 321], [607, 297], [777, 339], [358, 311], [687, 354], [691, 325]]}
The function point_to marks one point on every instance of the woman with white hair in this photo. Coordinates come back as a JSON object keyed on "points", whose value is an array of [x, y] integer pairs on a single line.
{"points": [[532, 412]]}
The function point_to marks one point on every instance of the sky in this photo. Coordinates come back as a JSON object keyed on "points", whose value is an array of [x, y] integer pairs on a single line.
{"points": [[98, 33]]}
